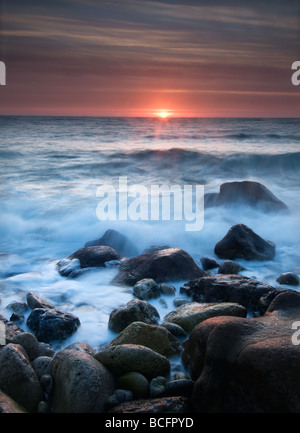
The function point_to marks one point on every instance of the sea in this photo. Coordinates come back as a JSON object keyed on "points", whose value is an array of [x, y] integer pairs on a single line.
{"points": [[51, 169]]}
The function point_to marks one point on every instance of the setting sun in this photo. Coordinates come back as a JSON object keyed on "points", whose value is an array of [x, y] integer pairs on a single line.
{"points": [[163, 114]]}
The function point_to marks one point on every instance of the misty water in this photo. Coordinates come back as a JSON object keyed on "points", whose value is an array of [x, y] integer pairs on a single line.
{"points": [[51, 168]]}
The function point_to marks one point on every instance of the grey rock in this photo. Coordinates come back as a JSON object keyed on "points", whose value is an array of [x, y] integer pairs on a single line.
{"points": [[134, 311], [82, 384]]}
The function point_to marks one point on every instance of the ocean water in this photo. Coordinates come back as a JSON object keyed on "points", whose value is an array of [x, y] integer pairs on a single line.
{"points": [[52, 167]]}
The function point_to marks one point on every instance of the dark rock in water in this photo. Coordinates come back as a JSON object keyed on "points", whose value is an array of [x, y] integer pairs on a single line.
{"points": [[95, 256], [51, 325], [230, 267], [117, 241], [252, 294], [288, 278], [247, 365], [84, 258], [208, 263], [134, 311], [164, 265], [18, 307], [35, 301], [146, 289], [241, 242], [246, 192]]}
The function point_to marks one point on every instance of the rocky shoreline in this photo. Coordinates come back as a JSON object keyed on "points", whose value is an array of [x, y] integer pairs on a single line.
{"points": [[232, 333]]}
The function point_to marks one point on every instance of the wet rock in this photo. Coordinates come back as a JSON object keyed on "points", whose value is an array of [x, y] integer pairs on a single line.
{"points": [[155, 405], [46, 382], [89, 257], [35, 301], [51, 325], [117, 241], [158, 386], [247, 364], [241, 242], [288, 278], [17, 318], [167, 289], [230, 267], [180, 301], [82, 347], [254, 295], [134, 311], [189, 315], [132, 357], [29, 342], [17, 377], [82, 384], [208, 263], [244, 193], [172, 264], [136, 383], [18, 307], [146, 289], [157, 338], [118, 397], [41, 365], [175, 329]]}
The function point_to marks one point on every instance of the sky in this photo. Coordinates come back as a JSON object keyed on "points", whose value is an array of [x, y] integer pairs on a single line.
{"points": [[190, 58]]}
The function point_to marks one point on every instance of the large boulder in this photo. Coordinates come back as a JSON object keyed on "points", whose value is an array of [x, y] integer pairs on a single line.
{"points": [[189, 315], [117, 241], [52, 324], [124, 358], [81, 383], [249, 193], [247, 364], [288, 278], [84, 258], [157, 338], [252, 294], [18, 379], [241, 242], [134, 311], [172, 264]]}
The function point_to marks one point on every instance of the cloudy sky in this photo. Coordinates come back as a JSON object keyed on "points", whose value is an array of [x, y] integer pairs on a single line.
{"points": [[220, 58]]}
